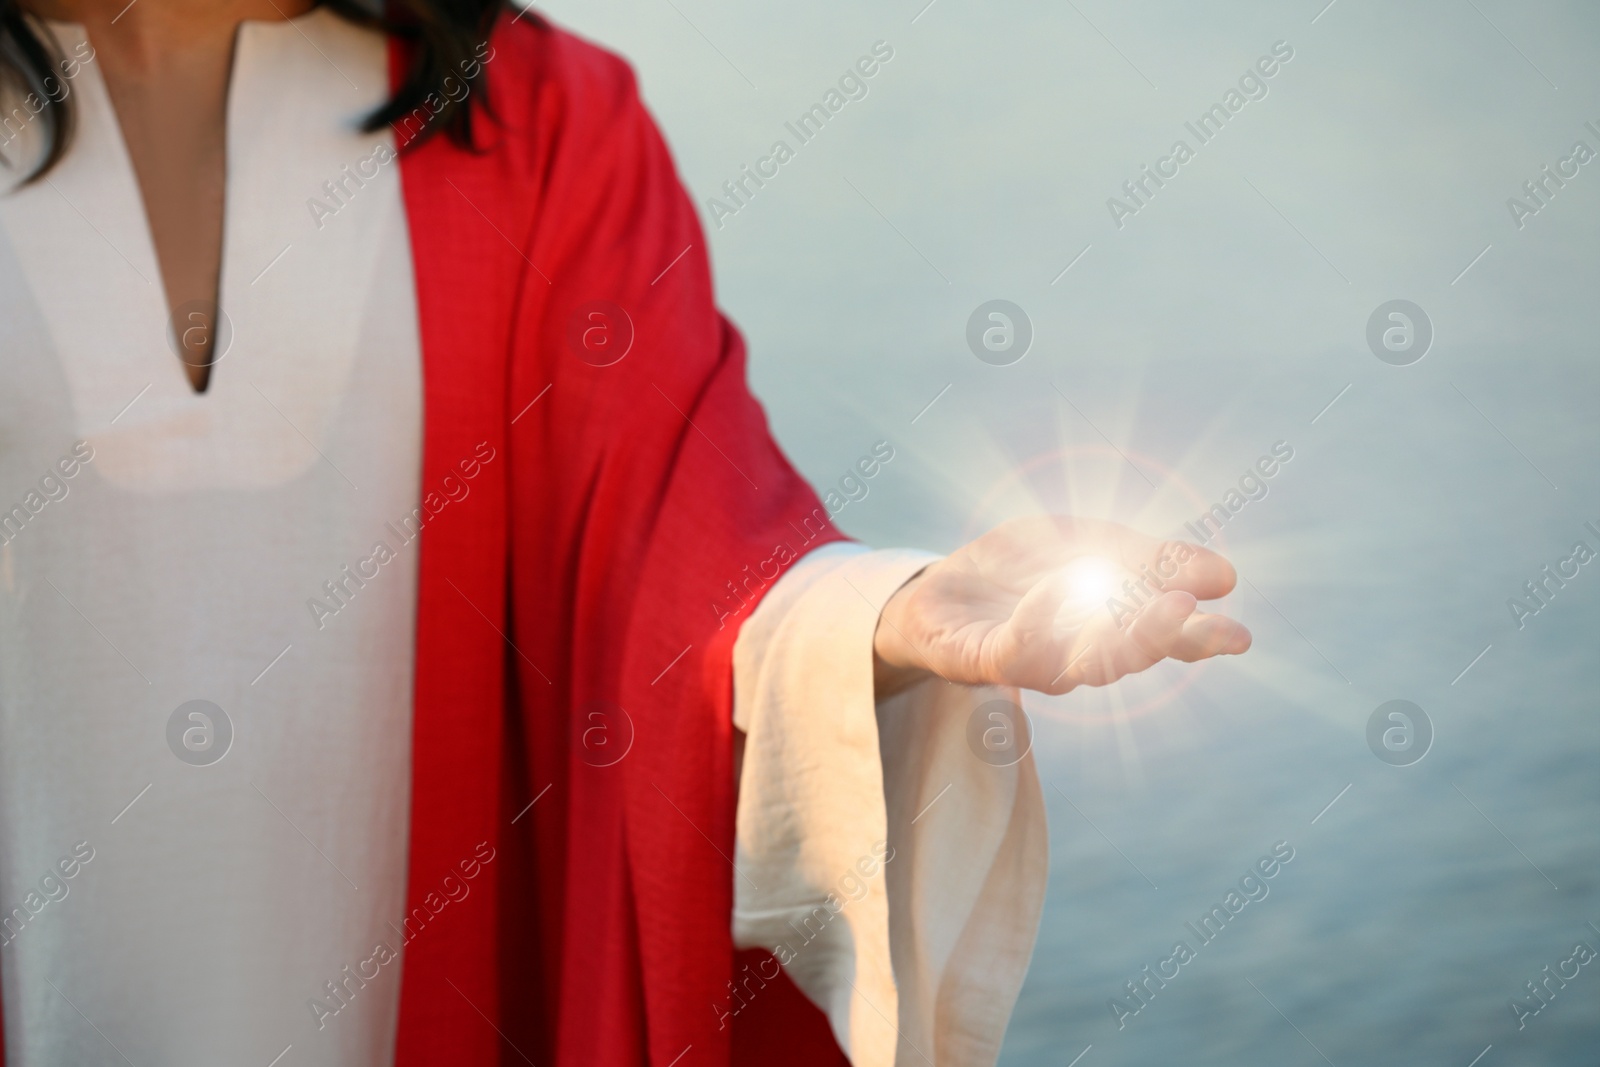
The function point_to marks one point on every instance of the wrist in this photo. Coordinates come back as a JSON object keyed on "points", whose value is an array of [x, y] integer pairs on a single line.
{"points": [[896, 662]]}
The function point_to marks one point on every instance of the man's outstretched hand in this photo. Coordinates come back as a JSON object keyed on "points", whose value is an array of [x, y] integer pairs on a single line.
{"points": [[1052, 603]]}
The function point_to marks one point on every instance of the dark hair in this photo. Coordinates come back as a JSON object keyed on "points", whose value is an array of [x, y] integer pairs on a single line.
{"points": [[444, 40]]}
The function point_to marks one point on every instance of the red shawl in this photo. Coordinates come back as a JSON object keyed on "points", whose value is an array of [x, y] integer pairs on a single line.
{"points": [[606, 565], [603, 562]]}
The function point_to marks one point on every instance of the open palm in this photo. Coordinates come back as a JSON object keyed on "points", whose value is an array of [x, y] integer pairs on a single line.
{"points": [[1051, 603]]}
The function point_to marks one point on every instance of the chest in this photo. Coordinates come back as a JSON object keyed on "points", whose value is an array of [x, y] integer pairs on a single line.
{"points": [[316, 317]]}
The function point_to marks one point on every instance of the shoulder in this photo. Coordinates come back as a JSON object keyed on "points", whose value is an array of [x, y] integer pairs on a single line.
{"points": [[543, 73]]}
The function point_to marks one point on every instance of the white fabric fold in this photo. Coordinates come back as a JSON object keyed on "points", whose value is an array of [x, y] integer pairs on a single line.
{"points": [[896, 874]]}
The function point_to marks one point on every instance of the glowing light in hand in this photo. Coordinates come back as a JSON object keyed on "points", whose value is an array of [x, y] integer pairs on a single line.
{"points": [[1091, 582]]}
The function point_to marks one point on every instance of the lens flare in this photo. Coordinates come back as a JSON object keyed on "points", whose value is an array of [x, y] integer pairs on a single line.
{"points": [[1091, 581], [1114, 483]]}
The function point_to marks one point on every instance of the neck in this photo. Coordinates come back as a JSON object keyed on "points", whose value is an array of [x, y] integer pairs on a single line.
{"points": [[148, 31]]}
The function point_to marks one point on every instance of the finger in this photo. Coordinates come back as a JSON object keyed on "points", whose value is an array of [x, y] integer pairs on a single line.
{"points": [[1157, 564], [1177, 565], [1205, 635], [1157, 628], [1109, 653]]}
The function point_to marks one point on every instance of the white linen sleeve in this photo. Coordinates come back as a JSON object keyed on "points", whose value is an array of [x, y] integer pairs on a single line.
{"points": [[889, 856]]}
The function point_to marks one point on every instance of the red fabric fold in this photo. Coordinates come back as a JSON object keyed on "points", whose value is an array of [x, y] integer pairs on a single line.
{"points": [[577, 614]]}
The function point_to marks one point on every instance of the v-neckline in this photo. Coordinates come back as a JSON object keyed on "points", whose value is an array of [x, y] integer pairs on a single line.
{"points": [[220, 325], [295, 283]]}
